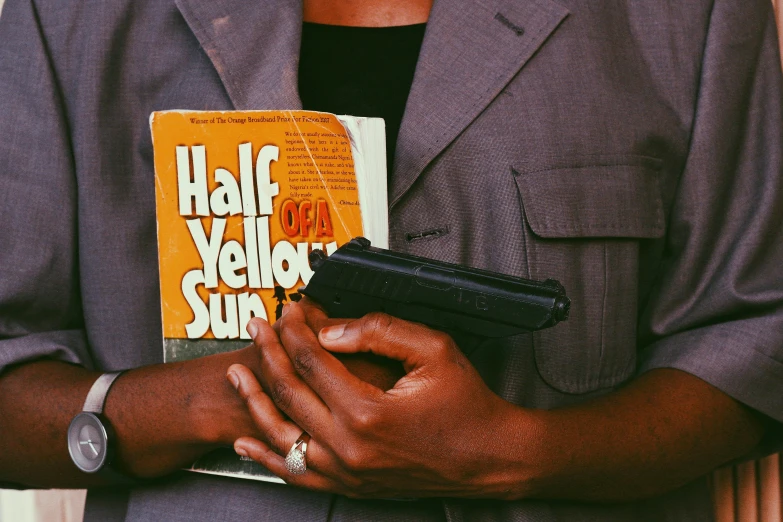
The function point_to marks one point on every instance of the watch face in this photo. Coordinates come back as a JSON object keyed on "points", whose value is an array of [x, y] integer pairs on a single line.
{"points": [[87, 442]]}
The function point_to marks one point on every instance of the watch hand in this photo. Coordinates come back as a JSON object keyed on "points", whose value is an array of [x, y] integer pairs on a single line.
{"points": [[89, 441]]}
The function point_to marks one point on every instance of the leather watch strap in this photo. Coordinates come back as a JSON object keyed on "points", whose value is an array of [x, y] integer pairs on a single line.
{"points": [[97, 396]]}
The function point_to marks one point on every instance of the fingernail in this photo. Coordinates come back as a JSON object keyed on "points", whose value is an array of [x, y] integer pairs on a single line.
{"points": [[240, 451], [330, 333], [234, 378], [252, 329], [286, 308]]}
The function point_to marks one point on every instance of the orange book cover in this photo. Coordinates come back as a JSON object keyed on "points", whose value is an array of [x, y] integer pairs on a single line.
{"points": [[242, 199]]}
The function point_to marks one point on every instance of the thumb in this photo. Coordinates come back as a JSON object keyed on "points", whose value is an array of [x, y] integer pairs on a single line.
{"points": [[411, 343]]}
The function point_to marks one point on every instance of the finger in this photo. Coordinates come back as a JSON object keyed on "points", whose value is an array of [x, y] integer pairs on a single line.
{"points": [[271, 460], [380, 372], [315, 316], [276, 430], [321, 370], [412, 343], [284, 386]]}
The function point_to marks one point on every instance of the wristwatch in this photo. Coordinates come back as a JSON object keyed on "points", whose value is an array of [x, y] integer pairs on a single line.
{"points": [[91, 437]]}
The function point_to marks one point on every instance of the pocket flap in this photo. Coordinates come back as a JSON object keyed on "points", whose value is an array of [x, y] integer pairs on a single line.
{"points": [[615, 196]]}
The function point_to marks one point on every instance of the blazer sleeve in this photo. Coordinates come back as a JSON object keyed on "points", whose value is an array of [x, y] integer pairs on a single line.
{"points": [[716, 310], [40, 309]]}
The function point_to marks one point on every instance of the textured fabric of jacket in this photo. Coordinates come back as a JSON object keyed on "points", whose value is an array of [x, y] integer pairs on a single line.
{"points": [[632, 150]]}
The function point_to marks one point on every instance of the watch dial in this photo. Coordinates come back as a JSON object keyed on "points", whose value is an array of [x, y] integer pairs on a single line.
{"points": [[90, 442], [87, 442]]}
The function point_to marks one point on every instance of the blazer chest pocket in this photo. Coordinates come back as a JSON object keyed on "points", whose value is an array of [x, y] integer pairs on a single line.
{"points": [[584, 225]]}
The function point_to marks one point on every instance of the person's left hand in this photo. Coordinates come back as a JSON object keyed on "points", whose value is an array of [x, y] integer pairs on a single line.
{"points": [[440, 431]]}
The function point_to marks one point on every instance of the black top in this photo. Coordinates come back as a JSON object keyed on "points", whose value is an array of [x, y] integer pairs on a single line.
{"points": [[360, 71]]}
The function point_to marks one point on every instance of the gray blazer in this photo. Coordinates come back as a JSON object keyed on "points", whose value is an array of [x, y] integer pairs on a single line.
{"points": [[630, 149]]}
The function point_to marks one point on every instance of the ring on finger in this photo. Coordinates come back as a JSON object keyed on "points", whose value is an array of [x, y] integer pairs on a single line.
{"points": [[296, 459]]}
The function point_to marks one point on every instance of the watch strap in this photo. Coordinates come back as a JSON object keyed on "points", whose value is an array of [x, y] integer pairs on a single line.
{"points": [[96, 398], [120, 479]]}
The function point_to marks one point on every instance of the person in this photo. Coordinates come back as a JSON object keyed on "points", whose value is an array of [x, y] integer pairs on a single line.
{"points": [[630, 150]]}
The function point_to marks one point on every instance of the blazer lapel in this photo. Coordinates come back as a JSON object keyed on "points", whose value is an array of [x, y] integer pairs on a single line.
{"points": [[254, 47], [471, 50]]}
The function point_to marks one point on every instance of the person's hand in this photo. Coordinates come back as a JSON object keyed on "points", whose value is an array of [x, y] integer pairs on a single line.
{"points": [[381, 372], [439, 431]]}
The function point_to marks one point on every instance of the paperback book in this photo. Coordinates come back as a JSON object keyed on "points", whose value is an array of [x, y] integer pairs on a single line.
{"points": [[242, 198]]}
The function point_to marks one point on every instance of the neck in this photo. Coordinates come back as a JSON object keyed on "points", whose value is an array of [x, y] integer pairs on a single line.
{"points": [[367, 13]]}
